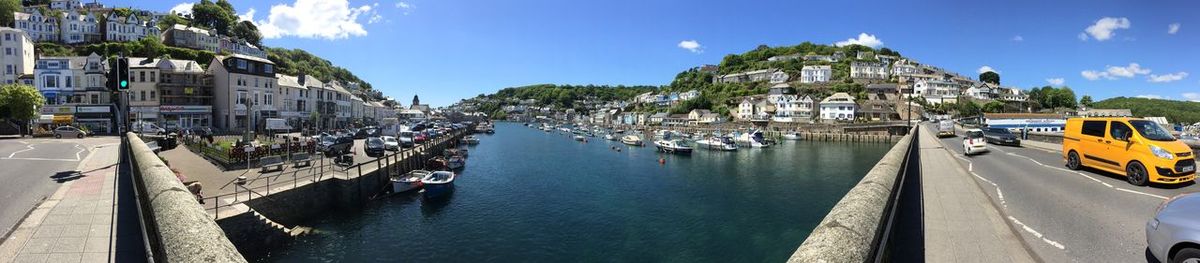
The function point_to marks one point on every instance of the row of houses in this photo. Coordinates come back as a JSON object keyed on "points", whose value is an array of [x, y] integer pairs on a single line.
{"points": [[71, 23]]}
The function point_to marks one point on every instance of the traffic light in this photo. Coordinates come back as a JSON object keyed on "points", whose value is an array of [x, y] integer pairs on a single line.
{"points": [[122, 70]]}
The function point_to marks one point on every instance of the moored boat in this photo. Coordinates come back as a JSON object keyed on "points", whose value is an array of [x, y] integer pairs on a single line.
{"points": [[579, 137], [717, 143], [632, 140], [610, 137], [456, 162], [752, 139], [673, 146], [438, 184], [408, 182], [791, 136], [471, 140]]}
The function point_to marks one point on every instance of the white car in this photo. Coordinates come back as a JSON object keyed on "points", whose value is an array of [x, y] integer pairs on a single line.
{"points": [[974, 142], [390, 143]]}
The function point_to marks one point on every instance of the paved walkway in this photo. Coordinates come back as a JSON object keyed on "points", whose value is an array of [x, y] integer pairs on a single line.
{"points": [[76, 223], [961, 223]]}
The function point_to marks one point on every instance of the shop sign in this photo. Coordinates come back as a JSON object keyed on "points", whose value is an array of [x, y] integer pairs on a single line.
{"points": [[143, 109], [92, 109], [186, 109], [58, 109]]}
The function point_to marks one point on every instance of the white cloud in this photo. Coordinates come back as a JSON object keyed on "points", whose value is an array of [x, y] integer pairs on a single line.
{"points": [[1018, 38], [1114, 72], [1192, 96], [405, 7], [863, 39], [691, 45], [1150, 96], [1173, 28], [248, 16], [1056, 81], [1083, 36], [183, 9], [985, 68], [1103, 29], [1164, 78], [327, 19]]}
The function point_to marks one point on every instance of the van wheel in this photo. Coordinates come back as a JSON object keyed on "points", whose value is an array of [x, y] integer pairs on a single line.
{"points": [[57, 136], [1136, 174], [1073, 161]]}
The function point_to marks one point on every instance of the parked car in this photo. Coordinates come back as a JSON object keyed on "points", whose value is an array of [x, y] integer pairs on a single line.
{"points": [[69, 132], [1139, 149], [390, 143], [360, 133], [1001, 136], [420, 138], [334, 145], [1175, 229], [374, 147], [406, 139], [974, 142]]}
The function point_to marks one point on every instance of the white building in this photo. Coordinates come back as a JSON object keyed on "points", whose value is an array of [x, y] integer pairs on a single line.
{"points": [[342, 100], [904, 68], [132, 28], [292, 99], [937, 91], [748, 76], [143, 89], [792, 108], [79, 28], [16, 54], [244, 89], [816, 74], [66, 4], [838, 107], [687, 95], [39, 27], [193, 38], [779, 77], [745, 110], [868, 70]]}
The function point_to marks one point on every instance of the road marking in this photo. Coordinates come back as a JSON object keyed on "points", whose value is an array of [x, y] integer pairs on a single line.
{"points": [[81, 150], [1035, 233], [41, 159], [1106, 184], [10, 156]]}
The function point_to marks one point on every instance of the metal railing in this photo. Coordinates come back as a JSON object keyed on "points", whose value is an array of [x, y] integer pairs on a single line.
{"points": [[322, 168]]}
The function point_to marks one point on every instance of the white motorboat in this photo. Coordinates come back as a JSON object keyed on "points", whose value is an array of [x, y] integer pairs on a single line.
{"points": [[438, 184], [753, 139], [471, 139], [791, 136], [632, 140], [610, 137], [579, 138], [717, 143], [456, 162], [673, 146], [408, 182]]}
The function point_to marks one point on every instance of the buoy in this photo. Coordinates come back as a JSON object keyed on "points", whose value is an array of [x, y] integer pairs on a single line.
{"points": [[662, 161]]}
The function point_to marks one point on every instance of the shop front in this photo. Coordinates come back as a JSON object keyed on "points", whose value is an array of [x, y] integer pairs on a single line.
{"points": [[185, 116], [95, 118], [144, 114]]}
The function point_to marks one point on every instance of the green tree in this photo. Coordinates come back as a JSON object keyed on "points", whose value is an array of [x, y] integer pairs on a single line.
{"points": [[150, 47], [20, 102], [967, 108], [170, 20], [1086, 101], [215, 16], [993, 107], [7, 7], [247, 31], [990, 77]]}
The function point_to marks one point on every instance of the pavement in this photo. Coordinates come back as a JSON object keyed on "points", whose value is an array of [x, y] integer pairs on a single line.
{"points": [[76, 223], [961, 224], [1065, 215]]}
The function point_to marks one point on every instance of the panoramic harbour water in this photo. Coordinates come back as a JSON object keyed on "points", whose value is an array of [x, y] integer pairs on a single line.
{"points": [[528, 195]]}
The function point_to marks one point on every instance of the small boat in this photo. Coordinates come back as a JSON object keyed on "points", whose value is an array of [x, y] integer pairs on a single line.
{"points": [[456, 162], [579, 137], [791, 136], [753, 139], [471, 140], [632, 140], [610, 137], [408, 182], [673, 146], [438, 184], [717, 143]]}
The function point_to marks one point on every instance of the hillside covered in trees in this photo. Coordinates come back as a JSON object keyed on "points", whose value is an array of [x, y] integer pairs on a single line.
{"points": [[562, 96], [297, 62], [1174, 110]]}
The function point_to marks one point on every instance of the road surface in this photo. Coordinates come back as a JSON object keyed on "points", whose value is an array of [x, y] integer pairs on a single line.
{"points": [[32, 169]]}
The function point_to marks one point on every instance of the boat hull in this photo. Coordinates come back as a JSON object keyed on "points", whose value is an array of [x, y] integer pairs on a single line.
{"points": [[440, 190], [399, 186]]}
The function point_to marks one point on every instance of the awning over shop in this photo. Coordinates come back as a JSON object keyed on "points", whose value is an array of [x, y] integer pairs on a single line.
{"points": [[45, 119], [63, 118]]}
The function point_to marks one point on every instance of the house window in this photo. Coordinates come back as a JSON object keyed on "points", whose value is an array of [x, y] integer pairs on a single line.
{"points": [[241, 64], [68, 82], [8, 51], [8, 69], [143, 95], [50, 81], [269, 69], [142, 76], [152, 76], [241, 97], [95, 99], [151, 94]]}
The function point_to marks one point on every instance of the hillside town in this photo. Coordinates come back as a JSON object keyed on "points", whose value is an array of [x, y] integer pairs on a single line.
{"points": [[236, 91]]}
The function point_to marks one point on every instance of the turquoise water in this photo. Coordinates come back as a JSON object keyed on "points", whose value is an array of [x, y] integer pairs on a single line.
{"points": [[528, 195]]}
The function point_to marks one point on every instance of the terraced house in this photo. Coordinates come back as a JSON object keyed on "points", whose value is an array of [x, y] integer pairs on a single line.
{"points": [[131, 28], [16, 54], [244, 90]]}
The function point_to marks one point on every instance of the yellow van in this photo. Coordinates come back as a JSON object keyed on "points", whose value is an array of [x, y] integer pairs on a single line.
{"points": [[1139, 149]]}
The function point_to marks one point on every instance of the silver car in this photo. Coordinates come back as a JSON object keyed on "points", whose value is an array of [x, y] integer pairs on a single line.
{"points": [[68, 131], [1173, 235]]}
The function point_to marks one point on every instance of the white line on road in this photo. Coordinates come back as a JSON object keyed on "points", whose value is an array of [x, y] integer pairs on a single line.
{"points": [[1036, 234], [81, 150], [10, 156], [1087, 176], [41, 159], [1141, 193]]}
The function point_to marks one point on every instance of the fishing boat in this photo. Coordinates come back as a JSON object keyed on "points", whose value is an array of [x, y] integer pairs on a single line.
{"points": [[673, 146], [791, 136], [718, 143], [408, 182], [438, 184], [456, 162], [632, 140]]}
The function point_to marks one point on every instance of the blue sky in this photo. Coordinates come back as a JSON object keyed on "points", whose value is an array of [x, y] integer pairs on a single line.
{"points": [[445, 50]]}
